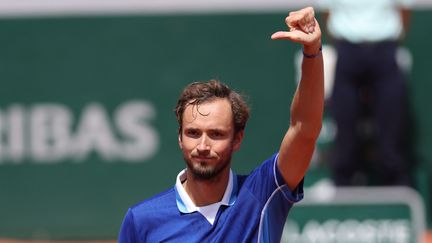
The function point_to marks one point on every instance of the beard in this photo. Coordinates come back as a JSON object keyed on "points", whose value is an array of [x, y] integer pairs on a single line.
{"points": [[205, 171]]}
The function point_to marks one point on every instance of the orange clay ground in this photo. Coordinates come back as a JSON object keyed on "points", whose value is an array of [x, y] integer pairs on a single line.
{"points": [[428, 239]]}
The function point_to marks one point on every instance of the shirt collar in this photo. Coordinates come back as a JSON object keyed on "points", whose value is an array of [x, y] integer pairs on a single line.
{"points": [[184, 202]]}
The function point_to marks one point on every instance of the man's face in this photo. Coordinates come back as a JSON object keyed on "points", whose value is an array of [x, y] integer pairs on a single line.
{"points": [[207, 138]]}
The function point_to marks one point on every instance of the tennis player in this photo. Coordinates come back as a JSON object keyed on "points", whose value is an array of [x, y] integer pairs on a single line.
{"points": [[209, 202]]}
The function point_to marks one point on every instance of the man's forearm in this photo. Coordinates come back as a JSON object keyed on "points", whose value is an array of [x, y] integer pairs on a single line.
{"points": [[308, 102]]}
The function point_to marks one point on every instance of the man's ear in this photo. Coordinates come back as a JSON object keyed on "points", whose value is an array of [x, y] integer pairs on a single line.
{"points": [[180, 142], [238, 138]]}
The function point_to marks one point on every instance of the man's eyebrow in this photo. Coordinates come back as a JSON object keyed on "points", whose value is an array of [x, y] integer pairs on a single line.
{"points": [[218, 129], [190, 129]]}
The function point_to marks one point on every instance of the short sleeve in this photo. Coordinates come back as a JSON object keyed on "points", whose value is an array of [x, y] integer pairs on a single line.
{"points": [[292, 196], [127, 232], [266, 180]]}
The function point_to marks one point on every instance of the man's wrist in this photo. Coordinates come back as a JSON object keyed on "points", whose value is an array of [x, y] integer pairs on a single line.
{"points": [[312, 51]]}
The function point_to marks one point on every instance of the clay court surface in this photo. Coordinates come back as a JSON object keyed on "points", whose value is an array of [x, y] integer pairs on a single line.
{"points": [[428, 238]]}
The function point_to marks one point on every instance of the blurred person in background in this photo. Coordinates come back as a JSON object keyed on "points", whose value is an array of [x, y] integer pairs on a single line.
{"points": [[366, 35]]}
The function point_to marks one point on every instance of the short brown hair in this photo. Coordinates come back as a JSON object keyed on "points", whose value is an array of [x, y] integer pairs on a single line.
{"points": [[200, 92]]}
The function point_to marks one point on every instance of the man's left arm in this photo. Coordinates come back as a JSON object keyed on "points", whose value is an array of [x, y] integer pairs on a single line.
{"points": [[307, 106]]}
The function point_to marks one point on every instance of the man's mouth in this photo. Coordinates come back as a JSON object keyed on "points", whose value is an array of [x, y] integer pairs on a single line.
{"points": [[203, 157]]}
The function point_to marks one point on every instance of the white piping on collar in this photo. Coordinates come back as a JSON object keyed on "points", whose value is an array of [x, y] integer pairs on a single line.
{"points": [[186, 205]]}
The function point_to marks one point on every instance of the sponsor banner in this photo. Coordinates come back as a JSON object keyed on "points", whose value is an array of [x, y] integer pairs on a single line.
{"points": [[43, 133], [357, 214]]}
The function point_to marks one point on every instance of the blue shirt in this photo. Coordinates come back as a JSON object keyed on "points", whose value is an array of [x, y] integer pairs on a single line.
{"points": [[256, 212]]}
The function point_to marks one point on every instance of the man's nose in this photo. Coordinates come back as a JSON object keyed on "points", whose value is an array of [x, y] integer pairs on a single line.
{"points": [[203, 145]]}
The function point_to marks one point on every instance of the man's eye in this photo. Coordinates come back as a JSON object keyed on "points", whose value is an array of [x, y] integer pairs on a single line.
{"points": [[217, 134], [192, 133]]}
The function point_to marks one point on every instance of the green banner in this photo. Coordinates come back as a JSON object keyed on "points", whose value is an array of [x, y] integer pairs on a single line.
{"points": [[86, 110], [357, 214]]}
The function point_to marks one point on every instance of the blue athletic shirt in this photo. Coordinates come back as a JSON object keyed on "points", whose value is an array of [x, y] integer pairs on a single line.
{"points": [[256, 212]]}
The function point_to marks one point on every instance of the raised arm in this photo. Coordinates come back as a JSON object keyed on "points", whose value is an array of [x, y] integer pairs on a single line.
{"points": [[307, 106]]}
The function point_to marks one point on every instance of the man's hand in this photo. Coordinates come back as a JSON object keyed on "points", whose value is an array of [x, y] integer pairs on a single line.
{"points": [[303, 29]]}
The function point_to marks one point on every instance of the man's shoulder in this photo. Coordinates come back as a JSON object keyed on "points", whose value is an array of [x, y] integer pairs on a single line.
{"points": [[265, 167], [160, 202], [263, 180], [146, 217]]}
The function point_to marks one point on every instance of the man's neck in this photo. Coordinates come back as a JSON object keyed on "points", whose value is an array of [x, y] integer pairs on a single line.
{"points": [[206, 192]]}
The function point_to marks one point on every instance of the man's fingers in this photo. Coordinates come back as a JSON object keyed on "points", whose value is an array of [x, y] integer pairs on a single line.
{"points": [[297, 35], [303, 19], [284, 35], [303, 28]]}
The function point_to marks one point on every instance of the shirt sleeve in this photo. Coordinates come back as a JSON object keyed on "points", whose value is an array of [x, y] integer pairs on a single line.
{"points": [[266, 180], [292, 196], [277, 200], [127, 232]]}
